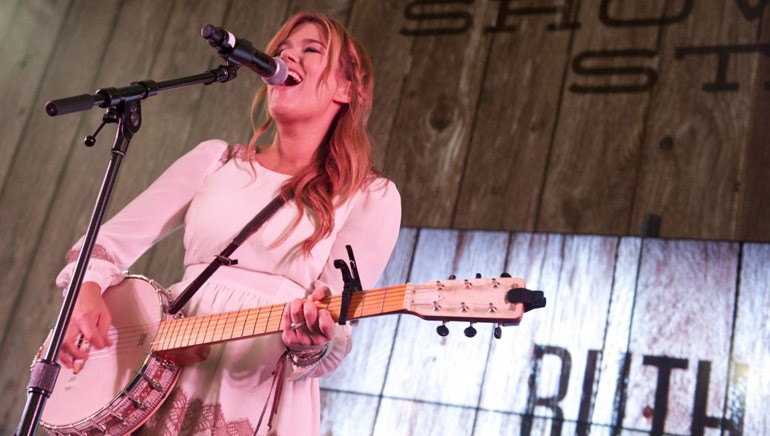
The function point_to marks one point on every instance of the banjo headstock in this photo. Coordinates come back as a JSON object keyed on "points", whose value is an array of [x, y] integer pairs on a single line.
{"points": [[491, 300]]}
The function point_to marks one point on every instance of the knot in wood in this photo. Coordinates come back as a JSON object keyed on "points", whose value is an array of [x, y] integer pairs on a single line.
{"points": [[443, 113]]}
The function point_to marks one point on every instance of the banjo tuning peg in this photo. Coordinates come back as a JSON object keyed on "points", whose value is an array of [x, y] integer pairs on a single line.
{"points": [[442, 330], [470, 331]]}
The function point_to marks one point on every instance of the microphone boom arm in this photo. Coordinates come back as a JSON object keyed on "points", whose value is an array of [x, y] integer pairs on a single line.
{"points": [[109, 97]]}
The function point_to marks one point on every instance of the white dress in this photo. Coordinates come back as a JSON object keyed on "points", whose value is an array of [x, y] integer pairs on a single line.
{"points": [[213, 192]]}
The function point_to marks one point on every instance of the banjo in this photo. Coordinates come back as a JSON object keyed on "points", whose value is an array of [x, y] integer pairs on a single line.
{"points": [[123, 384]]}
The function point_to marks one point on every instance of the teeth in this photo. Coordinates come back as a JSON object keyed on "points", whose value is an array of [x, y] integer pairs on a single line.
{"points": [[295, 77]]}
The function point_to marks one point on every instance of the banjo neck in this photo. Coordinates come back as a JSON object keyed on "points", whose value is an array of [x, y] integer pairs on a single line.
{"points": [[494, 300], [179, 333]]}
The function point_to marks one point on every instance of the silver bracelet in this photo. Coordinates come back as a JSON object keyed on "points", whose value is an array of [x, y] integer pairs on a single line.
{"points": [[308, 357]]}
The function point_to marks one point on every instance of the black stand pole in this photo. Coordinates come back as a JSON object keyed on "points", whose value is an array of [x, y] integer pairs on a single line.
{"points": [[125, 110]]}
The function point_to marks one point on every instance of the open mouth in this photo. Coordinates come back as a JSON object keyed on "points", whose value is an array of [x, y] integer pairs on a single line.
{"points": [[292, 79]]}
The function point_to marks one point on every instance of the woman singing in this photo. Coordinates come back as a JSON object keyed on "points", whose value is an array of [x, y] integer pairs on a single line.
{"points": [[320, 152]]}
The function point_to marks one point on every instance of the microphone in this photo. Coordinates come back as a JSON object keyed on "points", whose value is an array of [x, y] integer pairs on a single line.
{"points": [[242, 53]]}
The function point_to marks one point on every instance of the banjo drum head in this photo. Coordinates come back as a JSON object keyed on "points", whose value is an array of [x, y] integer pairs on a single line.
{"points": [[135, 306]]}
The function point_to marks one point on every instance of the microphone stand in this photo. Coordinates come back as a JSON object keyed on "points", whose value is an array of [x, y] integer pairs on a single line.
{"points": [[125, 110]]}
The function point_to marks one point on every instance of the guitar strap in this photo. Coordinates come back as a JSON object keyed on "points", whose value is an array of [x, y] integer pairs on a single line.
{"points": [[223, 258]]}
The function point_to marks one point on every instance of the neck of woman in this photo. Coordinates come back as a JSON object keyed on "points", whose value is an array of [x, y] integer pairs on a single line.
{"points": [[292, 150]]}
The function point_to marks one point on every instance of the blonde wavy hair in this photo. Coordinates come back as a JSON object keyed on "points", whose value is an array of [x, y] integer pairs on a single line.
{"points": [[342, 163]]}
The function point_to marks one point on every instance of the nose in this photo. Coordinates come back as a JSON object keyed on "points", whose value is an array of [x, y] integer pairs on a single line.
{"points": [[289, 54]]}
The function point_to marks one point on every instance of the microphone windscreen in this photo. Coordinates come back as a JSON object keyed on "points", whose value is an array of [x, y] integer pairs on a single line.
{"points": [[280, 74]]}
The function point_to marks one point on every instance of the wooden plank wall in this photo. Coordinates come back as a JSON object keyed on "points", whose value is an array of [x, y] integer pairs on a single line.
{"points": [[489, 114], [640, 336], [576, 116]]}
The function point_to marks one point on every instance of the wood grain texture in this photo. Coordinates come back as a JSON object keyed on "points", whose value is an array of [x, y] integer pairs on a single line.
{"points": [[412, 418], [356, 417], [8, 9], [753, 217], [578, 294], [683, 310], [514, 123], [391, 59], [364, 369], [751, 340], [496, 423], [435, 116], [32, 28], [423, 362], [619, 318], [44, 148], [591, 172], [695, 139], [337, 9]]}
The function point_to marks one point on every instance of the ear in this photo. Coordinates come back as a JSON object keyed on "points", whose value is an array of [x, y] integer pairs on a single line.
{"points": [[344, 91]]}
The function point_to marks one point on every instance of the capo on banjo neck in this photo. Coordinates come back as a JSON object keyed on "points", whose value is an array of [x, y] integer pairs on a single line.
{"points": [[351, 282]]}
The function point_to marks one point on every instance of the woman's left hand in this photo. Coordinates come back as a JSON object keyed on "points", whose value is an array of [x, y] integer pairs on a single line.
{"points": [[304, 325]]}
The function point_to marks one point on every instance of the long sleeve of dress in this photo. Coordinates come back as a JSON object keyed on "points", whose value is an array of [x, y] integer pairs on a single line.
{"points": [[150, 217], [371, 230]]}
